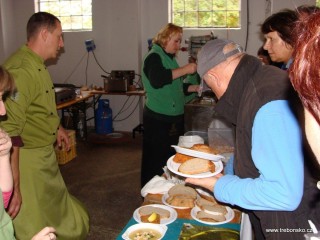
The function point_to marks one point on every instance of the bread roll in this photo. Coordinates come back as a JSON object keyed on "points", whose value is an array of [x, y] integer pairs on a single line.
{"points": [[203, 148], [181, 158], [196, 166]]}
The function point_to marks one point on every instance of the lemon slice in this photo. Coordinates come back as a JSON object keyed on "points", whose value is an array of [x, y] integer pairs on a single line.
{"points": [[152, 217]]}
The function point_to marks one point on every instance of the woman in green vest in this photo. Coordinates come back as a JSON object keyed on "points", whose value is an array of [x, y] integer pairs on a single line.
{"points": [[166, 94]]}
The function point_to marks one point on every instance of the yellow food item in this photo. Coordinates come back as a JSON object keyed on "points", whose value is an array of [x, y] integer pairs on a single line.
{"points": [[152, 217]]}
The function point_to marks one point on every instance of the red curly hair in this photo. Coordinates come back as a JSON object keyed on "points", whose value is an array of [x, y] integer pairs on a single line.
{"points": [[305, 70]]}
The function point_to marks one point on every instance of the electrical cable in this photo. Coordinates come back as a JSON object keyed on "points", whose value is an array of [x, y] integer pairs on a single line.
{"points": [[138, 83], [247, 33], [86, 73], [125, 109], [75, 68], [120, 111], [99, 63], [131, 111]]}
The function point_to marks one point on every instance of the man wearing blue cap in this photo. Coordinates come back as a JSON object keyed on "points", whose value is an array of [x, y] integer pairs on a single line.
{"points": [[268, 160]]}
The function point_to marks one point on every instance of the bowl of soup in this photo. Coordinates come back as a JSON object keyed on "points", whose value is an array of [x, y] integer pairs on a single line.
{"points": [[145, 231]]}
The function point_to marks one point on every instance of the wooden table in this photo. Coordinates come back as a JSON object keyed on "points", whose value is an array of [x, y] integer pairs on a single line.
{"points": [[72, 102], [79, 104]]}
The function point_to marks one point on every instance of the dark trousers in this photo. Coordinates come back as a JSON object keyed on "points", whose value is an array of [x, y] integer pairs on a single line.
{"points": [[158, 136]]}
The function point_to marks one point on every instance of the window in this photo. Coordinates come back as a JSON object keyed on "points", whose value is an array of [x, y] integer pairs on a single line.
{"points": [[318, 3], [205, 13], [75, 15]]}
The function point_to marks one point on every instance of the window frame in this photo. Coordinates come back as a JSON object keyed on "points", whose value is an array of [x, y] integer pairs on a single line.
{"points": [[170, 17], [68, 26]]}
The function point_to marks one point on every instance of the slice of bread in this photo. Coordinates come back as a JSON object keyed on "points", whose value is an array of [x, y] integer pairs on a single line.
{"points": [[201, 203], [181, 189], [196, 166], [215, 209], [148, 210], [210, 217], [181, 201]]}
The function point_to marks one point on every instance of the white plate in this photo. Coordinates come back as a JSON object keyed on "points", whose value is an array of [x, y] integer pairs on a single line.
{"points": [[198, 154], [173, 167], [205, 192], [164, 201], [158, 227], [229, 216], [172, 218]]}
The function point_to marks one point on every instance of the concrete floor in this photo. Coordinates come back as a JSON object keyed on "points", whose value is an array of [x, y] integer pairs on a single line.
{"points": [[105, 176]]}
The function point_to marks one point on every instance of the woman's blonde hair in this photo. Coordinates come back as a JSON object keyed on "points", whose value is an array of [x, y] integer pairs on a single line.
{"points": [[165, 33], [7, 85]]}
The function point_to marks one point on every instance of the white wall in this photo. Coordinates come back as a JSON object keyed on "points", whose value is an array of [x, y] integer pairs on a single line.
{"points": [[120, 31]]}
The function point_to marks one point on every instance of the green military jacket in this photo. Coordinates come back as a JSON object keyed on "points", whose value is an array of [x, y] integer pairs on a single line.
{"points": [[31, 112]]}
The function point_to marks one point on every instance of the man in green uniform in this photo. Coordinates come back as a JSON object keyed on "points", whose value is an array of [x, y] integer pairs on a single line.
{"points": [[40, 197]]}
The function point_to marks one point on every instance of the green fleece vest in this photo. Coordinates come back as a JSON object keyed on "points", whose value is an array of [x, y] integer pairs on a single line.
{"points": [[170, 99]]}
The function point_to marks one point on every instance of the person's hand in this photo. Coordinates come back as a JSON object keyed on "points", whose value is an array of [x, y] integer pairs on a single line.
{"points": [[5, 143], [207, 183], [15, 203], [48, 233], [190, 68], [193, 88], [63, 137]]}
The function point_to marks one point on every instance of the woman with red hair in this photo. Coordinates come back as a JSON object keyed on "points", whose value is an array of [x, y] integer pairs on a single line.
{"points": [[305, 76]]}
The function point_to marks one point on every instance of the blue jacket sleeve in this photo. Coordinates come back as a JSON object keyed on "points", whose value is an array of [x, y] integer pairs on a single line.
{"points": [[277, 154]]}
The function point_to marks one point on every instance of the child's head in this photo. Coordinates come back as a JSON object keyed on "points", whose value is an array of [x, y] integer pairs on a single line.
{"points": [[7, 86]]}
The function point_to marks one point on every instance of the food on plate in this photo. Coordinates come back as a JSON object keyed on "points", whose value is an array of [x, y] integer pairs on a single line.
{"points": [[211, 207], [181, 196], [145, 234], [204, 216], [181, 158], [210, 211], [181, 189], [215, 209], [206, 194], [202, 202], [196, 166], [203, 148], [151, 218], [148, 210], [181, 201]]}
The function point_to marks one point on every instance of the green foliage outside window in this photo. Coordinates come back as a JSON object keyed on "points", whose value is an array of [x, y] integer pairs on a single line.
{"points": [[75, 15], [206, 13]]}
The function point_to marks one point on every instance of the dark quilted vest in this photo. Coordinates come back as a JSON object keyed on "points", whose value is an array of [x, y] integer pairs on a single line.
{"points": [[252, 86]]}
